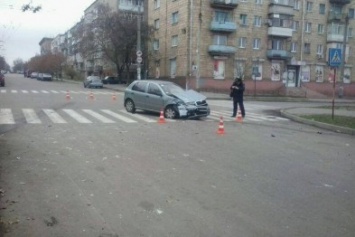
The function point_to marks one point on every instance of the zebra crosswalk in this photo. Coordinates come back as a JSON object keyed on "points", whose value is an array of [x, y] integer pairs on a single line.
{"points": [[106, 116], [4, 91]]}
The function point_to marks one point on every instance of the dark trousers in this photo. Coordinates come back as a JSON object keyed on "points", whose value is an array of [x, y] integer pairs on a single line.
{"points": [[237, 101]]}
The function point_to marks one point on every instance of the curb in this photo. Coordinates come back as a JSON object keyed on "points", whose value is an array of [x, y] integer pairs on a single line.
{"points": [[330, 127]]}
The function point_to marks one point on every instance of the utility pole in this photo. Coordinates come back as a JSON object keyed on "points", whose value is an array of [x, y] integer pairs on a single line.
{"points": [[344, 47], [139, 54]]}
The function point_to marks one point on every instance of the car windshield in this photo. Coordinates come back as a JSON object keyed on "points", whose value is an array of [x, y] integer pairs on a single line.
{"points": [[96, 79], [171, 89]]}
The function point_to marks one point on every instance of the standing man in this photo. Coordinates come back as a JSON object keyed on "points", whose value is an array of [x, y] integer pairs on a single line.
{"points": [[237, 91]]}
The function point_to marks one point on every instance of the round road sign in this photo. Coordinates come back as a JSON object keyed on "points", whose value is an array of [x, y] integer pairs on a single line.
{"points": [[139, 59], [139, 53]]}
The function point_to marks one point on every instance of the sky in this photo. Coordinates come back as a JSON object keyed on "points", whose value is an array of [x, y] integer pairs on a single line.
{"points": [[21, 32]]}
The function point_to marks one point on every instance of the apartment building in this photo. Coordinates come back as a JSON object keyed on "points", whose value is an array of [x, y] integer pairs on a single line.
{"points": [[271, 44]]}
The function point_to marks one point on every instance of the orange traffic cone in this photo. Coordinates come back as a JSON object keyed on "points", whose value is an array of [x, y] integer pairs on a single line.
{"points": [[67, 96], [220, 130], [239, 117], [161, 117], [113, 97], [91, 96]]}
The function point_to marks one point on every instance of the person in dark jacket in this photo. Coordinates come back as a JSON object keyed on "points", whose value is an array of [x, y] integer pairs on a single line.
{"points": [[237, 91]]}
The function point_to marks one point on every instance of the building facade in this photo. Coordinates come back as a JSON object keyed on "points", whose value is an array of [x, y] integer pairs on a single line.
{"points": [[273, 45]]}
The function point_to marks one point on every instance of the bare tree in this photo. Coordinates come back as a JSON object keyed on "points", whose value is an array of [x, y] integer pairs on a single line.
{"points": [[112, 35], [49, 63], [30, 7]]}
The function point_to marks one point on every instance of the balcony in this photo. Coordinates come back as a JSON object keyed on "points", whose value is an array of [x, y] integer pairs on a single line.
{"points": [[342, 2], [332, 37], [281, 9], [335, 16], [221, 50], [226, 26], [231, 4], [278, 54], [280, 31]]}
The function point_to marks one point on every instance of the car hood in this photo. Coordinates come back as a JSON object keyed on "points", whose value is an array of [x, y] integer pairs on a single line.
{"points": [[189, 96]]}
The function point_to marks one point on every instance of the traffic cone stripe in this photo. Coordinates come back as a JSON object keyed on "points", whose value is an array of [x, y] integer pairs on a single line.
{"points": [[220, 130], [239, 118], [161, 118]]}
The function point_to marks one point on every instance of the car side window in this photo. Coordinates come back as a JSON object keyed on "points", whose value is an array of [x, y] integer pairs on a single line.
{"points": [[154, 89], [139, 86]]}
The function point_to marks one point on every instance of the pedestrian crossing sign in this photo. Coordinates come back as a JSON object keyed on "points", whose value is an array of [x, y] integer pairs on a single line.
{"points": [[334, 57]]}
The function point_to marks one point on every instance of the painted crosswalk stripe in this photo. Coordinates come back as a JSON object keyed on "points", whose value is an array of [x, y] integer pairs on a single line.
{"points": [[118, 116], [3, 91], [44, 91], [55, 92], [14, 91], [31, 116], [25, 91], [148, 120], [75, 115], [98, 116], [64, 91], [6, 116], [34, 91], [54, 116]]}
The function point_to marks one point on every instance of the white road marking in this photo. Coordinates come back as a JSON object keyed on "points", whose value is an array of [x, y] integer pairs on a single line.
{"points": [[54, 116], [98, 116], [118, 116], [55, 92], [31, 116], [78, 117], [6, 116], [3, 91], [25, 91], [44, 91], [34, 91], [14, 91], [148, 120]]}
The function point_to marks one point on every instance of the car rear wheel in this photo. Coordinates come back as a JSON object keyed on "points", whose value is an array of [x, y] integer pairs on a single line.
{"points": [[130, 106], [171, 112]]}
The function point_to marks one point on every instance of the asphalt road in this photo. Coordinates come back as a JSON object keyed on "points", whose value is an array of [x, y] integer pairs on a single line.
{"points": [[62, 175]]}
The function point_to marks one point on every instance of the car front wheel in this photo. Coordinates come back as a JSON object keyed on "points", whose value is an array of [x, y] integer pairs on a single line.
{"points": [[130, 107], [171, 112]]}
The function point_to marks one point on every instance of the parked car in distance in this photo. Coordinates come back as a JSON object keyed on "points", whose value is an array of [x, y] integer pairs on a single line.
{"points": [[93, 82], [44, 77], [156, 95], [2, 80], [34, 75], [113, 80]]}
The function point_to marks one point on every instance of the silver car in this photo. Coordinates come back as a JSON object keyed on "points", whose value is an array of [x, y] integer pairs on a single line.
{"points": [[93, 82], [156, 96]]}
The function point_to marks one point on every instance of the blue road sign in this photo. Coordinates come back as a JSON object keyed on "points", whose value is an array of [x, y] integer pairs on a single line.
{"points": [[334, 59]]}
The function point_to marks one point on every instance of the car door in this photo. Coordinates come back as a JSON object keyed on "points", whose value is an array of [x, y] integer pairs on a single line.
{"points": [[154, 98], [138, 94]]}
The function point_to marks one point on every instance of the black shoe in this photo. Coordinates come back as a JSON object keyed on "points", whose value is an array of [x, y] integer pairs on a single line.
{"points": [[243, 116], [233, 116]]}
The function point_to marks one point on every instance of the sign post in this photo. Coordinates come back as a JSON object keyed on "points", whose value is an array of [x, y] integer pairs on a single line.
{"points": [[334, 60]]}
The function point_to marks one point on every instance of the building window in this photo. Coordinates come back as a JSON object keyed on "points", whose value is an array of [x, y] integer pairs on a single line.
{"points": [[277, 44], [258, 2], [256, 43], [175, 18], [295, 25], [218, 69], [156, 4], [242, 42], [157, 24], [156, 44], [243, 19], [174, 40], [173, 68], [257, 21], [319, 49], [220, 39], [221, 17], [294, 47], [309, 6], [296, 5], [322, 9], [351, 13], [308, 27], [320, 29], [307, 48], [350, 32]]}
